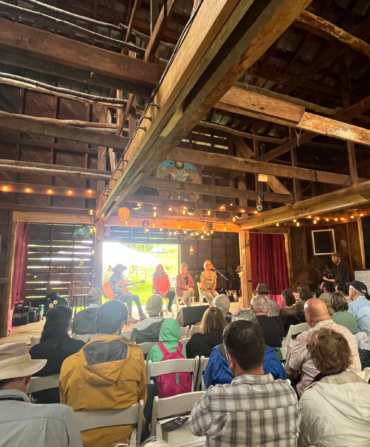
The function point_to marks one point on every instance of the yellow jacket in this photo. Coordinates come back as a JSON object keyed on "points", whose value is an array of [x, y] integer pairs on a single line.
{"points": [[108, 373]]}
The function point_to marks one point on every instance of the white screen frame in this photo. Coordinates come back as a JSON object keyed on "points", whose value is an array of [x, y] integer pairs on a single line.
{"points": [[313, 242]]}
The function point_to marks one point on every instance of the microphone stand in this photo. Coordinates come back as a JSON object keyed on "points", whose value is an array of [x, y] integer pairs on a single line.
{"points": [[220, 273]]}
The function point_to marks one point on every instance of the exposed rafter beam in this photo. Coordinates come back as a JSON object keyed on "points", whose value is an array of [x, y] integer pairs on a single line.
{"points": [[71, 53], [30, 124], [258, 167], [221, 191], [225, 39], [347, 197]]}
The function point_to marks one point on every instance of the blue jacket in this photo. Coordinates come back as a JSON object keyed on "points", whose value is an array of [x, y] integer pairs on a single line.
{"points": [[219, 373]]}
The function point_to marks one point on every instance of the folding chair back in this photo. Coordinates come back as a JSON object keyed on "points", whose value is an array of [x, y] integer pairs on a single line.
{"points": [[203, 362], [184, 341], [184, 331], [126, 334], [146, 347], [194, 329], [88, 420], [174, 366], [294, 330], [43, 383], [365, 374], [84, 337], [35, 341], [199, 284], [172, 406]]}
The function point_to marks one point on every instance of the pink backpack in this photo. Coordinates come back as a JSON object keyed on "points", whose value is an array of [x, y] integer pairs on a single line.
{"points": [[174, 383]]}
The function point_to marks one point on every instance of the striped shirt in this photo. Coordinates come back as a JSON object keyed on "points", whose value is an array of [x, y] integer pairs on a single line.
{"points": [[300, 359], [253, 411]]}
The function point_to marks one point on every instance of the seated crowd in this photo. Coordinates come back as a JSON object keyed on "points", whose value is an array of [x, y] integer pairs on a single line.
{"points": [[251, 399]]}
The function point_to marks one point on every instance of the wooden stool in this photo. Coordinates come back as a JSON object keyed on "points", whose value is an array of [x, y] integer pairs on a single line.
{"points": [[78, 301]]}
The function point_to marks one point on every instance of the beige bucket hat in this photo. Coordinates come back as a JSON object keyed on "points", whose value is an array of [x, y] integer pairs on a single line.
{"points": [[15, 362]]}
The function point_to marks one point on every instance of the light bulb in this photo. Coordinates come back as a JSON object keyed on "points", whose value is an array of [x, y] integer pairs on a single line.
{"points": [[89, 191], [50, 191], [277, 224]]}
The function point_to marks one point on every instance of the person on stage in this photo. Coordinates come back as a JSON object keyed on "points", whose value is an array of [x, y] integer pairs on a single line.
{"points": [[185, 285], [161, 285], [121, 293], [341, 273], [209, 283]]}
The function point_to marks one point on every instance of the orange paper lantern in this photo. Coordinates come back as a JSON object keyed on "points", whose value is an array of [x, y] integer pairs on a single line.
{"points": [[124, 215]]}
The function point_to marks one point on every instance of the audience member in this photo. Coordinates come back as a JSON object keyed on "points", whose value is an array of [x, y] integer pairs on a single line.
{"points": [[185, 285], [107, 373], [170, 336], [343, 289], [23, 424], [85, 321], [254, 410], [300, 361], [327, 288], [304, 295], [274, 308], [53, 299], [55, 346], [360, 304], [222, 302], [211, 327], [209, 283], [272, 330], [148, 330], [341, 315], [121, 293], [218, 371], [161, 285], [335, 408], [289, 301]]}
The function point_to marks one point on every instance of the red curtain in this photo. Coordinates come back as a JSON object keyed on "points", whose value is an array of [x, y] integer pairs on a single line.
{"points": [[269, 263], [20, 266]]}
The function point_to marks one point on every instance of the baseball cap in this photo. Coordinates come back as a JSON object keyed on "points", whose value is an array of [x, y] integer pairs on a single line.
{"points": [[358, 285]]}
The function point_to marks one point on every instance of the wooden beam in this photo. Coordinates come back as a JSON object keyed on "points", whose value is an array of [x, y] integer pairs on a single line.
{"points": [[276, 185], [154, 13], [199, 204], [46, 190], [305, 137], [51, 169], [246, 264], [240, 134], [258, 167], [347, 197], [72, 53], [153, 182], [30, 124], [243, 149], [314, 22], [225, 39]]}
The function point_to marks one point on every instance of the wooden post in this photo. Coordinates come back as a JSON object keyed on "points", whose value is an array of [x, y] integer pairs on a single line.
{"points": [[362, 244], [288, 257], [98, 264], [293, 156], [245, 262]]}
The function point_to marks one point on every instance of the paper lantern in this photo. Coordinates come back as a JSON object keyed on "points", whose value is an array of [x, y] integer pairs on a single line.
{"points": [[124, 214]]}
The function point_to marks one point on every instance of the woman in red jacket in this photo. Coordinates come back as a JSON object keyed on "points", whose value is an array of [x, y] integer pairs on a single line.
{"points": [[185, 285], [161, 285]]}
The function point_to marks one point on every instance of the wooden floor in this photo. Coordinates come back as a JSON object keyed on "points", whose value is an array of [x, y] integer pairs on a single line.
{"points": [[24, 333]]}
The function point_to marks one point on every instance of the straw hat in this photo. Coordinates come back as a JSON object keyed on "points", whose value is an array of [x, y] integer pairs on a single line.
{"points": [[262, 288], [15, 362]]}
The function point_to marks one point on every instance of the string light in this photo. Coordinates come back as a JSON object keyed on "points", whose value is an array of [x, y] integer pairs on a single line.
{"points": [[207, 234], [146, 230], [70, 192], [298, 224], [243, 211], [362, 214], [222, 207], [202, 237], [178, 226], [352, 217], [196, 234], [170, 209], [154, 207], [317, 218], [224, 227], [154, 214], [336, 219], [209, 212], [50, 191], [342, 218], [294, 220], [126, 223], [256, 212], [89, 191], [153, 224], [191, 250], [184, 212], [184, 231], [278, 225], [170, 233], [91, 212], [28, 190], [315, 221], [5, 188], [211, 231], [161, 229], [92, 252], [327, 220], [231, 204], [309, 217], [234, 219]]}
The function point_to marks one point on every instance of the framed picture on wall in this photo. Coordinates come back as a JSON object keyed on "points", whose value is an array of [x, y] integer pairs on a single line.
{"points": [[323, 242]]}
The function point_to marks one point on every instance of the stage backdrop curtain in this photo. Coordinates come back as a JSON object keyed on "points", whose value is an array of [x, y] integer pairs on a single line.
{"points": [[269, 263], [20, 266]]}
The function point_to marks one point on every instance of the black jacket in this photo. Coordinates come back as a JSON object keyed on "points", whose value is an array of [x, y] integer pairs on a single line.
{"points": [[273, 331], [203, 344], [85, 321], [55, 351], [341, 274], [149, 334]]}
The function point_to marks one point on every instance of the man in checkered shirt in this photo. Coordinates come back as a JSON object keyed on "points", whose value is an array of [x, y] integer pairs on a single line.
{"points": [[254, 410]]}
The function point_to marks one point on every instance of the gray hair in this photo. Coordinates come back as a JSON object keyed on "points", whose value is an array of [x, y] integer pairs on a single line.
{"points": [[260, 304], [222, 302], [245, 314], [94, 296], [154, 305], [338, 302]]}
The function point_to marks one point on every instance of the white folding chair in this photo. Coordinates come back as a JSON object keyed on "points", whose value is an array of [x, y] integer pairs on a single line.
{"points": [[175, 406], [146, 347], [88, 420], [184, 331], [35, 341], [184, 341], [126, 334], [83, 337], [203, 362], [364, 374], [293, 331], [43, 383], [193, 330], [174, 366]]}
